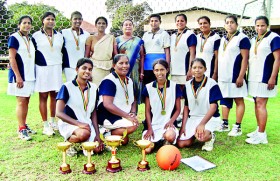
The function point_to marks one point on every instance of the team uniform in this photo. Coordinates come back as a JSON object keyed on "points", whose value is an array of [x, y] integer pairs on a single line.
{"points": [[180, 54], [74, 107], [261, 65], [48, 61], [154, 46], [26, 66], [205, 50], [111, 86], [229, 65], [73, 52], [158, 120], [198, 107]]}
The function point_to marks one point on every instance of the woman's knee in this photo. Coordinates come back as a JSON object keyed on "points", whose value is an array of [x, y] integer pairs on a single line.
{"points": [[83, 135], [184, 143], [170, 135]]}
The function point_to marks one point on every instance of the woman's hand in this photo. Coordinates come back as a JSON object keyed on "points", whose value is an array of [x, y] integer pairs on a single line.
{"points": [[239, 82], [133, 118], [182, 132], [19, 82], [199, 134], [169, 124], [83, 126], [100, 142], [271, 84], [189, 75], [149, 135]]}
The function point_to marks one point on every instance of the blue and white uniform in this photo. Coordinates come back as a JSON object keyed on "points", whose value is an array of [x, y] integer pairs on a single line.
{"points": [[210, 93], [229, 65], [211, 45], [74, 107], [71, 54], [261, 65], [111, 86], [154, 46], [173, 92], [26, 66], [48, 61], [180, 54]]}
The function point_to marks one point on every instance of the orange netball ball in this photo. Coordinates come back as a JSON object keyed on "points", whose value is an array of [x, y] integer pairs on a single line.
{"points": [[168, 157]]}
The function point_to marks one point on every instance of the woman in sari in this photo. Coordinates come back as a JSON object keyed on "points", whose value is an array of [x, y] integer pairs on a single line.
{"points": [[132, 46], [101, 48]]}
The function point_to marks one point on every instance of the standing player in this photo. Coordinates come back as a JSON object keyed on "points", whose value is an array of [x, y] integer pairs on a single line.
{"points": [[74, 45], [263, 71], [48, 43], [232, 66], [162, 106], [22, 73], [201, 108]]}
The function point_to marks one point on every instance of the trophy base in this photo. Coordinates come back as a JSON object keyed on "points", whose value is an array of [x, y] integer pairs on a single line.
{"points": [[114, 167], [65, 169], [89, 170], [143, 167]]}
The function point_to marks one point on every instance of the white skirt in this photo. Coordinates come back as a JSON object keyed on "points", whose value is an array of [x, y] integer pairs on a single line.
{"points": [[179, 79], [26, 91], [70, 74], [259, 89], [158, 134], [192, 124], [48, 78], [66, 130], [230, 90], [122, 123]]}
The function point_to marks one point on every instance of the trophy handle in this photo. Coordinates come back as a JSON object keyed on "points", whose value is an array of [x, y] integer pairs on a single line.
{"points": [[102, 137], [135, 143], [124, 133], [152, 145]]}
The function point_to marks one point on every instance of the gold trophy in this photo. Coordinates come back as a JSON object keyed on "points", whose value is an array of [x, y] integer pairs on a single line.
{"points": [[114, 164], [143, 165], [63, 146], [89, 168]]}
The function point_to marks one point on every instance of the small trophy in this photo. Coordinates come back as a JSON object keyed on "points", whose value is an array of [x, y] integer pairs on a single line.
{"points": [[143, 165], [114, 164], [64, 168], [89, 168]]}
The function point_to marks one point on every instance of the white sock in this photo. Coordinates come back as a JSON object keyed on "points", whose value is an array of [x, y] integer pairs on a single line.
{"points": [[261, 134], [46, 124], [52, 119]]}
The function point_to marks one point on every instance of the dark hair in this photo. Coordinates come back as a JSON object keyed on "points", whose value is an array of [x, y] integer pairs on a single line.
{"points": [[162, 62], [232, 17], [128, 20], [199, 60], [82, 61], [46, 14], [118, 57], [155, 16], [101, 17], [204, 17], [23, 17], [76, 13], [262, 18], [183, 15]]}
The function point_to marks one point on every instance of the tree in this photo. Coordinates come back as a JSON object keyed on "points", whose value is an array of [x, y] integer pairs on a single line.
{"points": [[4, 16], [121, 10]]}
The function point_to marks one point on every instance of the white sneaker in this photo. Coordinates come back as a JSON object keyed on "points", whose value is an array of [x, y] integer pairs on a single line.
{"points": [[235, 131], [260, 138], [48, 131], [54, 125], [222, 128], [86, 153], [209, 145], [253, 134], [71, 151], [23, 134]]}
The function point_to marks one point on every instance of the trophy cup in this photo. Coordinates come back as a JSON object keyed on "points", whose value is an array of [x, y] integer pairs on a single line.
{"points": [[89, 168], [114, 164], [64, 168], [143, 165]]}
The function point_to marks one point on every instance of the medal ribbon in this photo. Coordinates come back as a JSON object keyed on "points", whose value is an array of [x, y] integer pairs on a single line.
{"points": [[27, 43], [50, 39], [225, 44], [77, 39], [162, 97], [203, 44], [178, 38], [258, 41], [124, 85], [85, 95], [195, 93]]}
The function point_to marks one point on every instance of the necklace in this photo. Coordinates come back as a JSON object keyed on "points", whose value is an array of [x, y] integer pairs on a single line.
{"points": [[85, 95], [50, 39], [258, 41], [124, 86], [162, 97], [27, 43], [77, 39], [178, 39], [195, 93], [230, 38], [203, 44]]}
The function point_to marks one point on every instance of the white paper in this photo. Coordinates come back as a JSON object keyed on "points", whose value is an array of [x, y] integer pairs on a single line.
{"points": [[198, 163]]}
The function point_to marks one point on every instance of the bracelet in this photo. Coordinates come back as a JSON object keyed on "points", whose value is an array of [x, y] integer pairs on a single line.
{"points": [[142, 74]]}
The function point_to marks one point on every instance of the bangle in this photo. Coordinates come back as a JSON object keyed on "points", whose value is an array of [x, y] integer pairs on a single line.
{"points": [[142, 74]]}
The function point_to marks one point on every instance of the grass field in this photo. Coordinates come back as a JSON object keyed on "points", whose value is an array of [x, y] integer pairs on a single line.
{"points": [[39, 159]]}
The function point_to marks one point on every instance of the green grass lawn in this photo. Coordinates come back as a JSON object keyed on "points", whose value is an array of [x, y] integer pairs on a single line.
{"points": [[39, 159]]}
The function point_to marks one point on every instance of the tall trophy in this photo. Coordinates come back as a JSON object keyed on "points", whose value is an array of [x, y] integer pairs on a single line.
{"points": [[89, 168], [63, 146], [114, 164], [143, 165]]}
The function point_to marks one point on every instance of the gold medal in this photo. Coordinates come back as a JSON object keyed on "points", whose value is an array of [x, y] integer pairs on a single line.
{"points": [[77, 48], [163, 112]]}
